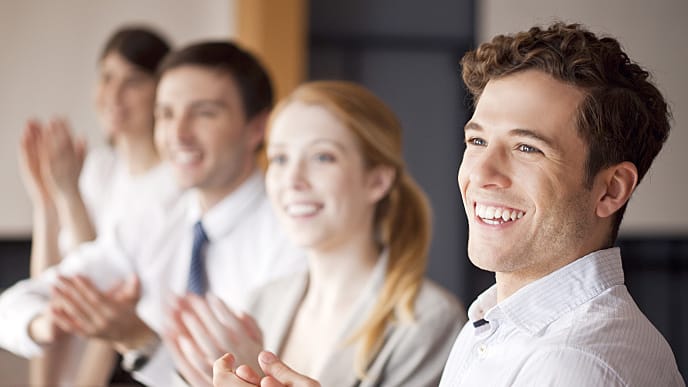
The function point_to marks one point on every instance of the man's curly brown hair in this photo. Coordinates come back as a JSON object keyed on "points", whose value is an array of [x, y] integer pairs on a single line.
{"points": [[623, 116]]}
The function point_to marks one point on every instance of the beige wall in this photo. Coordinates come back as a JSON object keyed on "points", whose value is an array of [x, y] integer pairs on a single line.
{"points": [[48, 67], [653, 33]]}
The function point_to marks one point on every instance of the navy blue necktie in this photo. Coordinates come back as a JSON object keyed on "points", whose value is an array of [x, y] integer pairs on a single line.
{"points": [[198, 281]]}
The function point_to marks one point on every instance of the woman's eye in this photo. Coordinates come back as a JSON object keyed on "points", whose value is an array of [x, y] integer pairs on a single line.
{"points": [[528, 149], [277, 159], [324, 157]]}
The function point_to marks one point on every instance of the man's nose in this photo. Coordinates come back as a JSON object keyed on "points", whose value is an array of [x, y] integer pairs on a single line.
{"points": [[491, 168]]}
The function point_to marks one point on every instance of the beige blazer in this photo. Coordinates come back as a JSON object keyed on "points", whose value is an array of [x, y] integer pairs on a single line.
{"points": [[411, 355]]}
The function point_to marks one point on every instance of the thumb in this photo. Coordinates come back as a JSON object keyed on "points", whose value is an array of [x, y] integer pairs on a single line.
{"points": [[130, 290], [223, 369], [274, 368], [251, 327], [80, 149]]}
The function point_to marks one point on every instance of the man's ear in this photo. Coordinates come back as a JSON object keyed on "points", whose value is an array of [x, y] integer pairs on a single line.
{"points": [[616, 183], [256, 128], [380, 180]]}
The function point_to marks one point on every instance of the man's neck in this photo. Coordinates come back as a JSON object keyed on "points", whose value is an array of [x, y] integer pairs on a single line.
{"points": [[210, 197]]}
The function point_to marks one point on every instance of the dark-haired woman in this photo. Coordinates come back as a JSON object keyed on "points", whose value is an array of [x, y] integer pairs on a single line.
{"points": [[77, 196]]}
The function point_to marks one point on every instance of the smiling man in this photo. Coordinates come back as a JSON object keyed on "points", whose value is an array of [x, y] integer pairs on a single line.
{"points": [[220, 238], [564, 128]]}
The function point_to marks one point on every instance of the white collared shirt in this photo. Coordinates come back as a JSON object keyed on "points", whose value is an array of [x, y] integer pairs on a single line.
{"points": [[108, 190], [578, 326], [246, 250]]}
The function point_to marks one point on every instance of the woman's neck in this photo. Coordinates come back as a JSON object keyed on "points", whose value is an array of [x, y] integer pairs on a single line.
{"points": [[337, 275], [139, 154]]}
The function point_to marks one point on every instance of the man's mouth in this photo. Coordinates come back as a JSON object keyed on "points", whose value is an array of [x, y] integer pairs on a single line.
{"points": [[186, 157], [302, 209], [497, 215]]}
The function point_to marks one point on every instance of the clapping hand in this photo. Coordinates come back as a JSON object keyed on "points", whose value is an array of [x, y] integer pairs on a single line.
{"points": [[203, 328], [277, 374], [80, 308]]}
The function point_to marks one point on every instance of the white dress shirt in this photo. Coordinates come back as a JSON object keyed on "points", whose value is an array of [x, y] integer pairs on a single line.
{"points": [[108, 190], [578, 326], [246, 250]]}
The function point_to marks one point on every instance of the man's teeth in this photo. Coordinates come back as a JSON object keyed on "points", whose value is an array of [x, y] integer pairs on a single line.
{"points": [[302, 209], [187, 157], [497, 213]]}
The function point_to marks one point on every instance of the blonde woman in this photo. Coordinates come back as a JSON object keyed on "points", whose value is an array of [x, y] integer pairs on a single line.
{"points": [[363, 314]]}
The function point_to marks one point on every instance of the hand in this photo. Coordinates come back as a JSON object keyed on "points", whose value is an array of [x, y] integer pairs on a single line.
{"points": [[81, 308], [204, 328], [44, 330], [224, 376], [30, 163], [277, 374], [63, 160]]}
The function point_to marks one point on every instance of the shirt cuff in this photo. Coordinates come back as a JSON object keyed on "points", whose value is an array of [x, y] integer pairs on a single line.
{"points": [[158, 371]]}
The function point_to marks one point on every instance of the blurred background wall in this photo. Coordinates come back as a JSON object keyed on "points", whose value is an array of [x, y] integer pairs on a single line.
{"points": [[408, 53]]}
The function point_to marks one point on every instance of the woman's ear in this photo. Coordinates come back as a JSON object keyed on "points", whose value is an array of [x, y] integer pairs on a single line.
{"points": [[617, 183], [380, 180]]}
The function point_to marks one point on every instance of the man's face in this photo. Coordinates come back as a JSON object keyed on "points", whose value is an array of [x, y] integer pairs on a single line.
{"points": [[522, 178], [202, 130]]}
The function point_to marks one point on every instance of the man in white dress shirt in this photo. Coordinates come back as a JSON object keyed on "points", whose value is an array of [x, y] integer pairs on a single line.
{"points": [[564, 128], [212, 103]]}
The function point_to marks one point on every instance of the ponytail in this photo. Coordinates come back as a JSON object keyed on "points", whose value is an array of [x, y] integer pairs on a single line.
{"points": [[403, 218]]}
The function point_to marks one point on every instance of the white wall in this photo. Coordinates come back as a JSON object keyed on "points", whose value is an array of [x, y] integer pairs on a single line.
{"points": [[48, 66], [653, 34]]}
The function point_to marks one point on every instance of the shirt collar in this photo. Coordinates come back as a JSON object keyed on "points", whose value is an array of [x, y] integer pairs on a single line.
{"points": [[220, 219], [536, 305]]}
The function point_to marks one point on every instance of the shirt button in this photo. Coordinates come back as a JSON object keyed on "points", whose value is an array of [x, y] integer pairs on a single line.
{"points": [[482, 351]]}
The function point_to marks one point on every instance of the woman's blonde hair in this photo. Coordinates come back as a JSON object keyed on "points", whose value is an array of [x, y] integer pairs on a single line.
{"points": [[402, 217]]}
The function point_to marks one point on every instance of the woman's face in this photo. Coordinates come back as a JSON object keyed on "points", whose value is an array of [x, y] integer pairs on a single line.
{"points": [[316, 179], [125, 97]]}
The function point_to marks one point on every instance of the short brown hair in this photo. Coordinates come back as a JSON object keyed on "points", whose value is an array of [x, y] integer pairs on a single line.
{"points": [[228, 58], [623, 116]]}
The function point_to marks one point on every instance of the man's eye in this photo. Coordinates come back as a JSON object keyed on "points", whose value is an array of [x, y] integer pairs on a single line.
{"points": [[476, 141], [207, 113], [528, 149]]}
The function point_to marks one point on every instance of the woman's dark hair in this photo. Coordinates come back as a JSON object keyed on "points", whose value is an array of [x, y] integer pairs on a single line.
{"points": [[141, 46]]}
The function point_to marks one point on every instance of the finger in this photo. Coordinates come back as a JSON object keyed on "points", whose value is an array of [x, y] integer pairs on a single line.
{"points": [[80, 150], [223, 376], [200, 335], [94, 301], [251, 327], [64, 299], [128, 291], [269, 381], [190, 326], [221, 333], [93, 309], [195, 358], [273, 366], [183, 364], [229, 319], [247, 374], [64, 321], [223, 365]]}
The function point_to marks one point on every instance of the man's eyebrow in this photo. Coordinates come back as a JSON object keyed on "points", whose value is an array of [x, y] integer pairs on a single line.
{"points": [[534, 135], [209, 102], [470, 125]]}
